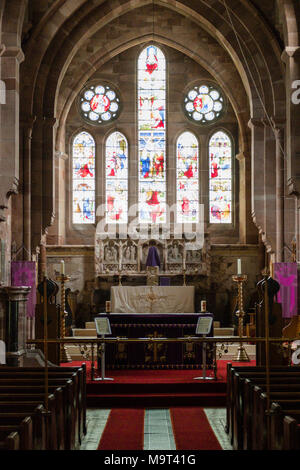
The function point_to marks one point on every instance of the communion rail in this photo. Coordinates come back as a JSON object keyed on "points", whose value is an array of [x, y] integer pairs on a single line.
{"points": [[284, 343]]}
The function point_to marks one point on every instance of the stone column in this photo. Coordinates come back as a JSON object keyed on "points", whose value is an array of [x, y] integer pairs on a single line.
{"points": [[291, 58], [27, 136], [257, 172], [279, 193], [13, 303]]}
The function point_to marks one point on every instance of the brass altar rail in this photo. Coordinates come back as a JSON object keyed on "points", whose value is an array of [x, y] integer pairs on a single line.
{"points": [[196, 339], [187, 339]]}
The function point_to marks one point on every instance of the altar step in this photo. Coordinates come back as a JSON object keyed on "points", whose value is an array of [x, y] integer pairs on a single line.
{"points": [[157, 400], [157, 394]]}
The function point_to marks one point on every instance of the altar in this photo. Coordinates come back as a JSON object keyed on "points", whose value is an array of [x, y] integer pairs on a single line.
{"points": [[169, 355], [154, 312], [153, 299]]}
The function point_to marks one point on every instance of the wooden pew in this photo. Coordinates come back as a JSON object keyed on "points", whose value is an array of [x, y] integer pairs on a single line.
{"points": [[59, 372], [236, 395], [11, 442], [25, 430], [38, 417], [65, 410], [70, 399], [288, 400], [286, 384], [291, 432], [230, 396], [25, 401]]}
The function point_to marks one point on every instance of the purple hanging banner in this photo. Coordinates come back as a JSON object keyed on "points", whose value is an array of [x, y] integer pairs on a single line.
{"points": [[23, 273], [286, 274]]}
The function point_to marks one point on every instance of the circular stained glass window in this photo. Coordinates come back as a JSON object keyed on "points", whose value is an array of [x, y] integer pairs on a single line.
{"points": [[99, 104], [204, 104]]}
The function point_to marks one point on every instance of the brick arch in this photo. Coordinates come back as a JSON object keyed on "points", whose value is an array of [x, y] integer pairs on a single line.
{"points": [[239, 106], [51, 93], [265, 53]]}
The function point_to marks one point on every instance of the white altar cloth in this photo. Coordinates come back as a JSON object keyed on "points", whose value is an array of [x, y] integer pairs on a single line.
{"points": [[152, 299]]}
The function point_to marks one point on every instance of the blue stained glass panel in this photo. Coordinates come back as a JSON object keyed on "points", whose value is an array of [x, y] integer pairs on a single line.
{"points": [[220, 182], [187, 178], [152, 135], [116, 156], [83, 177]]}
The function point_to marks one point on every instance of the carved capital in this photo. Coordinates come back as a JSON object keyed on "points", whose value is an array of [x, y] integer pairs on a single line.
{"points": [[290, 52], [27, 125], [61, 155], [240, 156], [50, 121], [253, 123], [293, 185], [14, 52]]}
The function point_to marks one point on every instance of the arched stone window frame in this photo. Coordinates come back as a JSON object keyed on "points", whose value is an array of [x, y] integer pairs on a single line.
{"points": [[161, 48], [183, 131], [107, 137], [225, 225], [82, 225]]}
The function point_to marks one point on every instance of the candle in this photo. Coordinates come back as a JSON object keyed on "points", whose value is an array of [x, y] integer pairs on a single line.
{"points": [[62, 267], [239, 267]]}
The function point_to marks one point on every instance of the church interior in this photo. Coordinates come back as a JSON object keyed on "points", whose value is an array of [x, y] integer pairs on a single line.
{"points": [[149, 225]]}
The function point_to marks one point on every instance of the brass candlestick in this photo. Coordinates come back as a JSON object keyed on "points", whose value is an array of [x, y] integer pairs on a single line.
{"points": [[64, 355], [241, 355]]}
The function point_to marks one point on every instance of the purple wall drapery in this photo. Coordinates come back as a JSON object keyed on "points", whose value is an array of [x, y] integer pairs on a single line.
{"points": [[23, 273], [286, 275]]}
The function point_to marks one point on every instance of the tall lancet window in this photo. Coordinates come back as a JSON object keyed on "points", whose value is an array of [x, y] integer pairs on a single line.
{"points": [[116, 157], [152, 135], [83, 172], [187, 178], [220, 184]]}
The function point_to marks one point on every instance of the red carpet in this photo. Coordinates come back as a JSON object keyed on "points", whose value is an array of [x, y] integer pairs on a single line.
{"points": [[124, 430], [192, 430], [157, 388], [155, 375]]}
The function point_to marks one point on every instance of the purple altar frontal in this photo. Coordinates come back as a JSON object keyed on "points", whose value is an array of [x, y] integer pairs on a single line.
{"points": [[156, 355]]}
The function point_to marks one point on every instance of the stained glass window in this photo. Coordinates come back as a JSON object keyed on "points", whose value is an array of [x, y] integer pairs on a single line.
{"points": [[83, 179], [220, 184], [152, 135], [204, 104], [187, 178], [116, 156], [99, 104]]}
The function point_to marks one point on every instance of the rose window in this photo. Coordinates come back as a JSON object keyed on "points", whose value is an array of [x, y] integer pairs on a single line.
{"points": [[99, 104], [204, 104]]}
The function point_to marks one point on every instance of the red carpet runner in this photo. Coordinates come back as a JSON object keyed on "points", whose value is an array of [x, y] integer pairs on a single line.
{"points": [[124, 430], [192, 430]]}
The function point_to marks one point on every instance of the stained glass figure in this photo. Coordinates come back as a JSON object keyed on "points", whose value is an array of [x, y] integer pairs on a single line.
{"points": [[220, 182], [116, 157], [187, 178], [83, 159], [204, 104], [152, 135], [99, 104]]}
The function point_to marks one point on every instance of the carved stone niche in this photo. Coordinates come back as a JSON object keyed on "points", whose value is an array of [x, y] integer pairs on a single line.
{"points": [[129, 256], [175, 255], [143, 253]]}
